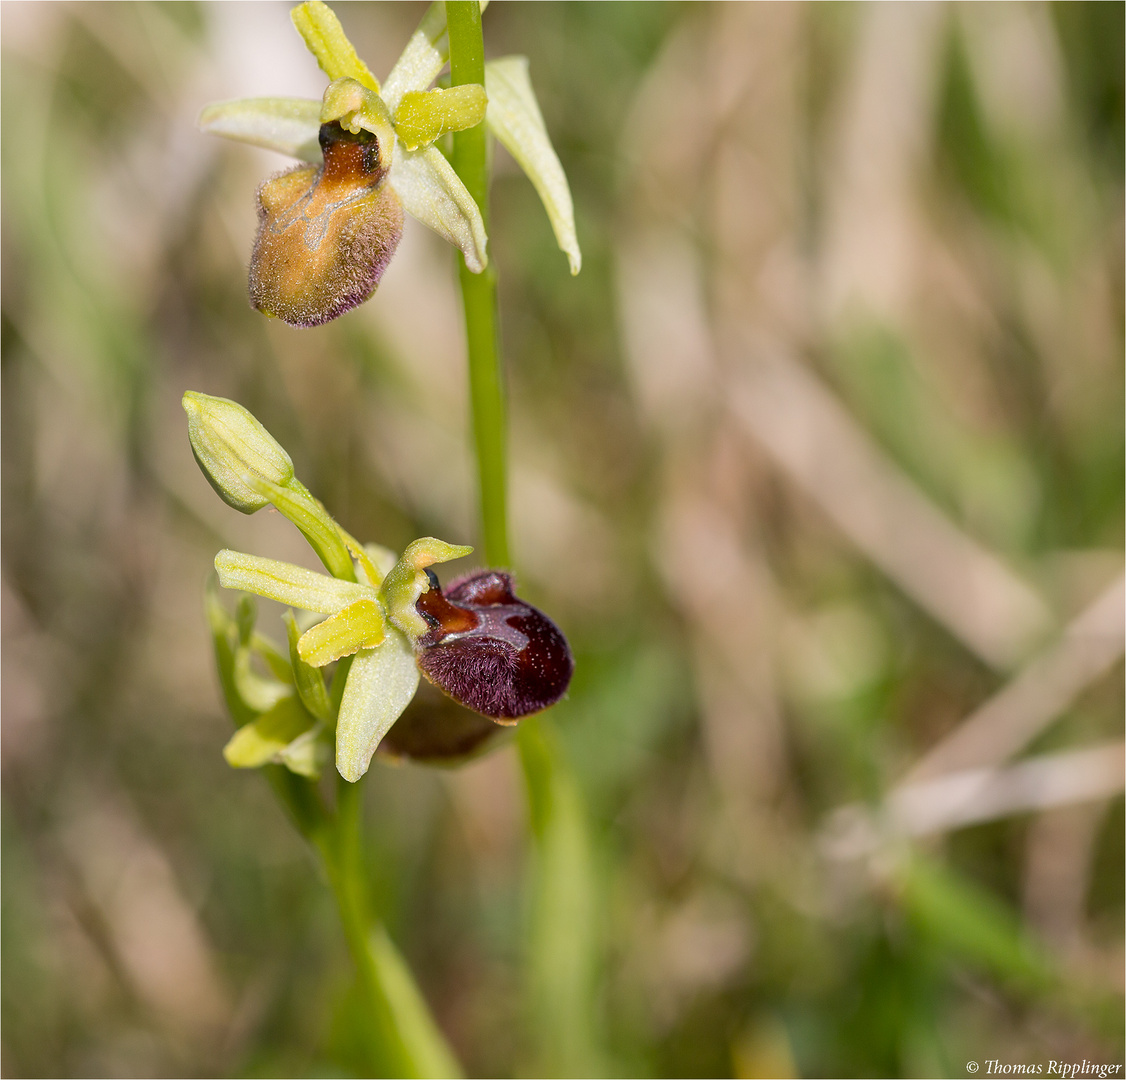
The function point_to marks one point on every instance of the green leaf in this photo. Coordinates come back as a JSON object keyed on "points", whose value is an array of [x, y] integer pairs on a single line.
{"points": [[258, 743], [421, 1039], [224, 635], [358, 626], [309, 681], [326, 40], [426, 115], [380, 686], [432, 192], [514, 118], [564, 941], [287, 125], [286, 583]]}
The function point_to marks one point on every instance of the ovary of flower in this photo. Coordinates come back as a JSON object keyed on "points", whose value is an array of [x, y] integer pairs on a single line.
{"points": [[373, 157], [367, 620]]}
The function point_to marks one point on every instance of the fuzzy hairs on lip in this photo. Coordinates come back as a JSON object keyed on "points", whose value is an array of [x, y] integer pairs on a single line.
{"points": [[491, 651]]}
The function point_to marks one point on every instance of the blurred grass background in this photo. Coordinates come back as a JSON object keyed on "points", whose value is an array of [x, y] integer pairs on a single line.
{"points": [[819, 458]]}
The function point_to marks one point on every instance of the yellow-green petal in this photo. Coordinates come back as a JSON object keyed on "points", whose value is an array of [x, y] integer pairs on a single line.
{"points": [[286, 583], [426, 115], [381, 684], [358, 626], [514, 118], [424, 57], [325, 39]]}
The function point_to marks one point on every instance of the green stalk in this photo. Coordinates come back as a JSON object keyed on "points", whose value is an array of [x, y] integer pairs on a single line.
{"points": [[403, 1040], [479, 296], [561, 947]]}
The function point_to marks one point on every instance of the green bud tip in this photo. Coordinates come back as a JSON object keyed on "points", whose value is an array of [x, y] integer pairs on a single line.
{"points": [[230, 446]]}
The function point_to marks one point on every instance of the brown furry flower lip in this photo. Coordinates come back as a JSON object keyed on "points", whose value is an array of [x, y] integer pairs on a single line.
{"points": [[491, 651], [325, 233]]}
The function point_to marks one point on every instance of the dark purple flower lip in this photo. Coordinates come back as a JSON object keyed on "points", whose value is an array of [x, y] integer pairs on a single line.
{"points": [[491, 651]]}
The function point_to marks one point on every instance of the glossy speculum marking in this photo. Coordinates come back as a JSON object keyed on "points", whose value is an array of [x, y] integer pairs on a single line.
{"points": [[325, 233], [491, 651]]}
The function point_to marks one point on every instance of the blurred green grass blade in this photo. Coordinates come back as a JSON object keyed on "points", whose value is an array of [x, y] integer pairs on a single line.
{"points": [[562, 943], [422, 1046], [974, 926]]}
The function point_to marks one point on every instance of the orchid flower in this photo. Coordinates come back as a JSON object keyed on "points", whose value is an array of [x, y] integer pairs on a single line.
{"points": [[328, 229], [386, 617]]}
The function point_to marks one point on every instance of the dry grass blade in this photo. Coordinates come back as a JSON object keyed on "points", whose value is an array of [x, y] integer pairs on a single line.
{"points": [[961, 584]]}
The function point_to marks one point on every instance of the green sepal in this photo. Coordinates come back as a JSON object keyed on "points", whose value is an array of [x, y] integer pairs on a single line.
{"points": [[258, 743], [426, 115], [381, 683], [422, 60], [407, 581], [432, 192], [316, 524], [309, 680], [514, 117], [325, 39], [424, 57], [286, 583], [285, 125]]}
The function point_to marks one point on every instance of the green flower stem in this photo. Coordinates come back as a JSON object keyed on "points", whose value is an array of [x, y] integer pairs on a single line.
{"points": [[479, 296], [403, 1040], [561, 947]]}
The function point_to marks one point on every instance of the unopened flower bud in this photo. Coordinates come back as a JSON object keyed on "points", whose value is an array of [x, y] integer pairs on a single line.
{"points": [[325, 234], [489, 650], [230, 445]]}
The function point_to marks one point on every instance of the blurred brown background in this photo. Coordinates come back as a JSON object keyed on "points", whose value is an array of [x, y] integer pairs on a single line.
{"points": [[819, 463]]}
